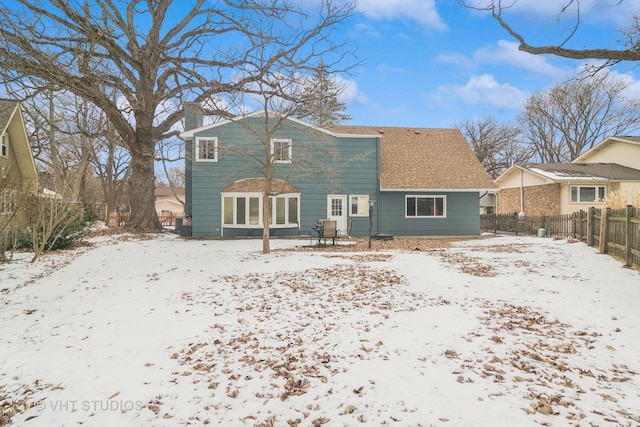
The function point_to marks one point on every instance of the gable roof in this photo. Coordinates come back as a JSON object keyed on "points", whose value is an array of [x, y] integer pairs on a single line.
{"points": [[7, 110], [189, 134], [418, 159], [11, 121], [168, 191], [561, 172], [634, 140], [425, 159]]}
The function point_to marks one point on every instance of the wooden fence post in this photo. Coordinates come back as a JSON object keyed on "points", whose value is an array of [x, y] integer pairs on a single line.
{"points": [[589, 230], [628, 241], [604, 236]]}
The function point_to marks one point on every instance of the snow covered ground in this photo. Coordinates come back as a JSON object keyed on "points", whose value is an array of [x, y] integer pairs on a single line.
{"points": [[165, 331]]}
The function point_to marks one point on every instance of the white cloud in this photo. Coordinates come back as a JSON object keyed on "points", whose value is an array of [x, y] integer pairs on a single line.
{"points": [[351, 93], [506, 52], [369, 31], [613, 12], [541, 7], [459, 60], [422, 11], [484, 91]]}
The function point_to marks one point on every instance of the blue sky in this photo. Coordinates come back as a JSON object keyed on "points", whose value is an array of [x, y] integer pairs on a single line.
{"points": [[430, 63]]}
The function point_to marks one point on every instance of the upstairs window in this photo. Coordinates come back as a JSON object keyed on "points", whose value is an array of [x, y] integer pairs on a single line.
{"points": [[425, 206], [4, 145], [281, 150], [206, 149], [588, 194]]}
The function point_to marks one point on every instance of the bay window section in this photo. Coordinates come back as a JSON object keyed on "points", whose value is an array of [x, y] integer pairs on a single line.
{"points": [[293, 210], [228, 210], [280, 212], [245, 210], [241, 212], [254, 210]]}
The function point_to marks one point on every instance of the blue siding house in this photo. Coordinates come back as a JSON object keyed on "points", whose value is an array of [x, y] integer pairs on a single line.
{"points": [[420, 181]]}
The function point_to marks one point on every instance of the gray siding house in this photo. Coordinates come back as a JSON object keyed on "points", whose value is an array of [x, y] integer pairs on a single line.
{"points": [[421, 181]]}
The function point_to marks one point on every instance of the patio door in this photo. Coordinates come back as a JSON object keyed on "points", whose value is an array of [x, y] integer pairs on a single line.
{"points": [[337, 211]]}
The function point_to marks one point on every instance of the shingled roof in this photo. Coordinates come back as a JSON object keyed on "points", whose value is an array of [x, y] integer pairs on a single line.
{"points": [[7, 108], [584, 171], [425, 159], [258, 185]]}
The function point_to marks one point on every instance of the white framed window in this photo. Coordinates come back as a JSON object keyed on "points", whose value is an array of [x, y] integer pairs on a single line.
{"points": [[206, 149], [7, 201], [588, 194], [359, 205], [4, 145], [245, 210], [425, 206], [281, 150]]}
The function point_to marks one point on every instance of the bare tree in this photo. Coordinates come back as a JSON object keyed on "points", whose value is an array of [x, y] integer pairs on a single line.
{"points": [[629, 43], [9, 214], [110, 162], [279, 99], [139, 61], [496, 145], [567, 119], [48, 219]]}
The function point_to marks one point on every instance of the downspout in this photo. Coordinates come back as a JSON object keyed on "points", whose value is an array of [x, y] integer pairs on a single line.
{"points": [[521, 192], [377, 206]]}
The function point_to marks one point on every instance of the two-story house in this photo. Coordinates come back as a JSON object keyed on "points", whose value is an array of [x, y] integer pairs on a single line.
{"points": [[413, 181]]}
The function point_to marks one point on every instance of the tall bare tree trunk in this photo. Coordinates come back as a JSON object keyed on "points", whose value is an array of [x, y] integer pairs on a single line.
{"points": [[142, 185]]}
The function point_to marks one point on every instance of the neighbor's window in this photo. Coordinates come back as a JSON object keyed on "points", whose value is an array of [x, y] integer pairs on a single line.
{"points": [[425, 206], [245, 210], [587, 194], [7, 198], [206, 149], [281, 150], [359, 205], [4, 145]]}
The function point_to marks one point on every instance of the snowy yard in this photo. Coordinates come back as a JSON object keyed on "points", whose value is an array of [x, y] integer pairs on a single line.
{"points": [[500, 331]]}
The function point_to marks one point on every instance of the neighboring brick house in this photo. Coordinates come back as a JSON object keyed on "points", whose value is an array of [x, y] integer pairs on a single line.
{"points": [[613, 166]]}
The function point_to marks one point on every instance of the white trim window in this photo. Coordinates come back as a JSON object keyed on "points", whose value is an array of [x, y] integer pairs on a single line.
{"points": [[244, 210], [588, 194], [281, 150], [359, 205], [4, 145], [206, 149], [7, 201], [425, 206]]}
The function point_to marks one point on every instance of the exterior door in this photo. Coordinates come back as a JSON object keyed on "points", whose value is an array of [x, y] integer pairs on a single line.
{"points": [[337, 211]]}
